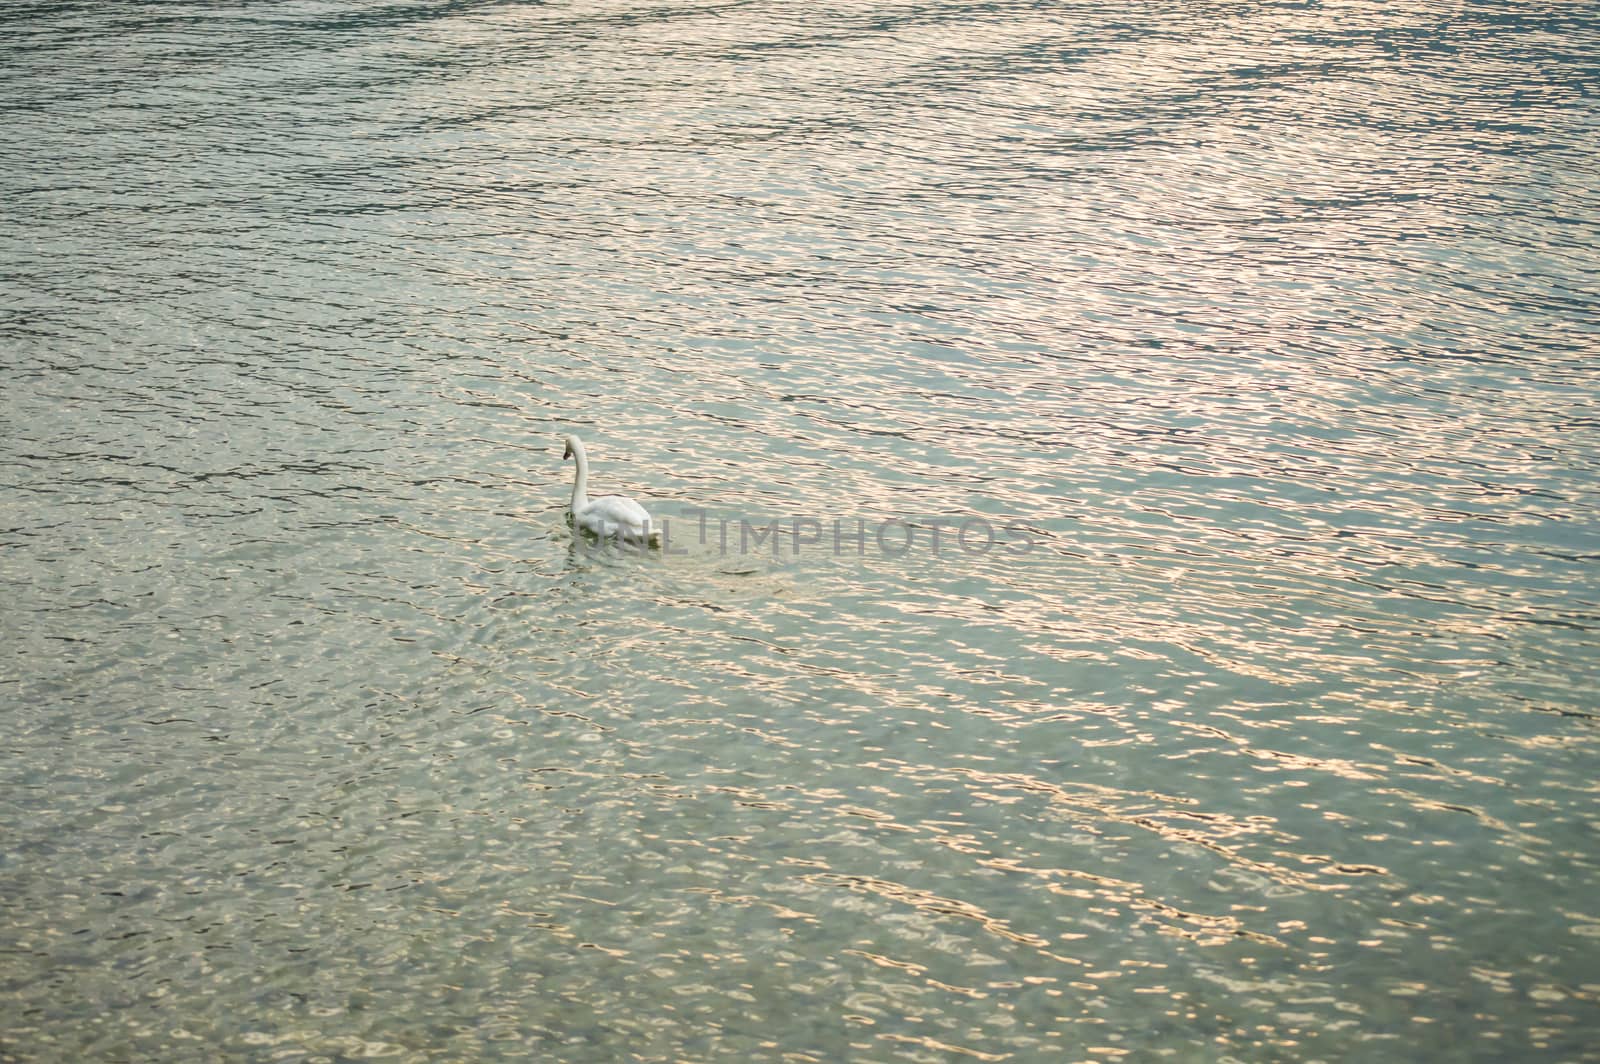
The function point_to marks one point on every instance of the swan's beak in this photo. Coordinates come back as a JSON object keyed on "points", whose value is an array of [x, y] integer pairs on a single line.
{"points": [[566, 453]]}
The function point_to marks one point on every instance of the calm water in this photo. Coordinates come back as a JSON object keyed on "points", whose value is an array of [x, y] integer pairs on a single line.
{"points": [[1268, 732]]}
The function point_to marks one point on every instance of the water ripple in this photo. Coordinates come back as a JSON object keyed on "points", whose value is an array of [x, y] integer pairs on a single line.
{"points": [[1193, 407]]}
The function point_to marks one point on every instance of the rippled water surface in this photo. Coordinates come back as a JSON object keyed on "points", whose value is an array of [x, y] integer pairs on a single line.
{"points": [[1265, 731]]}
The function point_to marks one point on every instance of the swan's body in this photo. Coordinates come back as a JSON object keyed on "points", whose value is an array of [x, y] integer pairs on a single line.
{"points": [[606, 516]]}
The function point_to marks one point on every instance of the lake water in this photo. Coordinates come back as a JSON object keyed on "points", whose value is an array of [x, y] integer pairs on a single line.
{"points": [[1252, 346]]}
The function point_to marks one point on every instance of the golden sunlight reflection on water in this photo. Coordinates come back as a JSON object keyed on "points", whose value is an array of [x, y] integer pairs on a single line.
{"points": [[1257, 339]]}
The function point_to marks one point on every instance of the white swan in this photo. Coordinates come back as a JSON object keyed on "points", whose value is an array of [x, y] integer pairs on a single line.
{"points": [[607, 516]]}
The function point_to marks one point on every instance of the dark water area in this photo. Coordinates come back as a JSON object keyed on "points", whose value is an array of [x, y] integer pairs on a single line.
{"points": [[1260, 338]]}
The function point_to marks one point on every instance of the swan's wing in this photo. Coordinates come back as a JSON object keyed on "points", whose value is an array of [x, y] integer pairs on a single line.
{"points": [[610, 514]]}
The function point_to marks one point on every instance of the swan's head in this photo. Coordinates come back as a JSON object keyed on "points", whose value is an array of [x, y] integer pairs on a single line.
{"points": [[574, 446]]}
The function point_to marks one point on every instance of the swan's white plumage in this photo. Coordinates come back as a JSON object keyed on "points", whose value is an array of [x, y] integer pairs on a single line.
{"points": [[614, 515], [607, 516]]}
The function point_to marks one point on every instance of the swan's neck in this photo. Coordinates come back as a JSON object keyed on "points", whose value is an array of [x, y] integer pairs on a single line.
{"points": [[580, 479]]}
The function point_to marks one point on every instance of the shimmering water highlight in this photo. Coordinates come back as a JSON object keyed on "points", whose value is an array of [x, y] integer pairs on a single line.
{"points": [[1273, 326]]}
